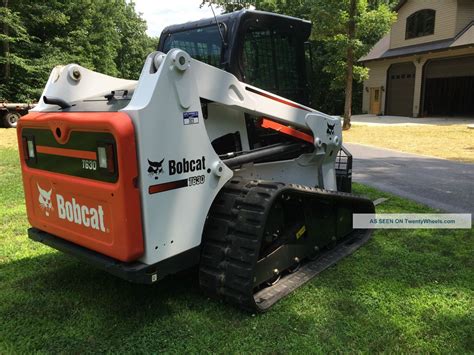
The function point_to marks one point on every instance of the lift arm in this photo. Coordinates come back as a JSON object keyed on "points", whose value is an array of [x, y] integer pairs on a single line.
{"points": [[224, 88]]}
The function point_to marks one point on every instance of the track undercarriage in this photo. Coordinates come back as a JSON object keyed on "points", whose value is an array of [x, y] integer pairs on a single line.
{"points": [[264, 239]]}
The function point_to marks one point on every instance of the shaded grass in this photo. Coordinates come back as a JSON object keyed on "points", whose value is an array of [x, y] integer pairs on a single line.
{"points": [[454, 142], [406, 290]]}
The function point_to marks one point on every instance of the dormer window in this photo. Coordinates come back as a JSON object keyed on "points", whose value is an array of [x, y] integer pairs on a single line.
{"points": [[420, 23]]}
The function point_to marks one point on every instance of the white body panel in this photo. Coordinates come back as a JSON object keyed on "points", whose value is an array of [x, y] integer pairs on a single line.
{"points": [[173, 220], [169, 127], [61, 83]]}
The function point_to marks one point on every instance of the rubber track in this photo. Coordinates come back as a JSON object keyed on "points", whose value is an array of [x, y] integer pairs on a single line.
{"points": [[232, 239]]}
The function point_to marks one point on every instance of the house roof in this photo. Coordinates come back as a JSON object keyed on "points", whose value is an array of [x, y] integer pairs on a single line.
{"points": [[382, 50]]}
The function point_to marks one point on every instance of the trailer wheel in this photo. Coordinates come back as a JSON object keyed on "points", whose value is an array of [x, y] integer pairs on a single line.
{"points": [[10, 120]]}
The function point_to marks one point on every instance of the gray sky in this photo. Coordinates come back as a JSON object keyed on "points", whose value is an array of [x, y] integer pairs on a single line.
{"points": [[161, 13]]}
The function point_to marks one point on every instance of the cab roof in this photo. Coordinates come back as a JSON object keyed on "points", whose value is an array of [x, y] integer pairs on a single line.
{"points": [[238, 16]]}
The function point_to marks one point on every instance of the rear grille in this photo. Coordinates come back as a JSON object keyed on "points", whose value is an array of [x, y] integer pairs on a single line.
{"points": [[344, 170]]}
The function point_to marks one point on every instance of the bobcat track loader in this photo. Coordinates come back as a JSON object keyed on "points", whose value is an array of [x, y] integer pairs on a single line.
{"points": [[211, 159]]}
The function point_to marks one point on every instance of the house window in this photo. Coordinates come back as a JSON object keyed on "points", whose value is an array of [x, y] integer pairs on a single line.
{"points": [[421, 23]]}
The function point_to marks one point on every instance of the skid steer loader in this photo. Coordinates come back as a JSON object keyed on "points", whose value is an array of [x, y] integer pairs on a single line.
{"points": [[212, 158]]}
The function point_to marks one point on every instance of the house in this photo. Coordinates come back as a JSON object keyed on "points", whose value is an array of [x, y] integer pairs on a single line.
{"points": [[425, 65]]}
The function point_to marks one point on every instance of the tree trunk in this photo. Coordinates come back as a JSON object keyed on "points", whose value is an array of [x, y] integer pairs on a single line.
{"points": [[6, 48], [350, 65]]}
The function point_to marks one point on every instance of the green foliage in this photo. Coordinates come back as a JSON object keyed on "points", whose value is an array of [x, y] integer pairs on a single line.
{"points": [[13, 33], [330, 41], [103, 35], [330, 19], [108, 36], [324, 95]]}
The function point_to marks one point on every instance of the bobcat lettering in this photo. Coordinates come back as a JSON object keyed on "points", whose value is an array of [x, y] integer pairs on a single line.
{"points": [[82, 215], [186, 166], [72, 211]]}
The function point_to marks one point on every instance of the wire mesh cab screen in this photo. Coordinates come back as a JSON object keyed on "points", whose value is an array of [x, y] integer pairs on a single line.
{"points": [[203, 44], [269, 61]]}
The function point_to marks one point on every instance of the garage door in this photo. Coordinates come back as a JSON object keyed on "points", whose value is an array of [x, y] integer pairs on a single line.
{"points": [[400, 89], [449, 87]]}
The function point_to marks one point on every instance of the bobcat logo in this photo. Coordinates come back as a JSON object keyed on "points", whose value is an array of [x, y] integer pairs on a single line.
{"points": [[330, 129], [44, 199], [155, 168]]}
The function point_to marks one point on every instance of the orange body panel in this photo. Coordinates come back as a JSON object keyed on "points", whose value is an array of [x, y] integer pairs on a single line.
{"points": [[101, 216], [266, 123]]}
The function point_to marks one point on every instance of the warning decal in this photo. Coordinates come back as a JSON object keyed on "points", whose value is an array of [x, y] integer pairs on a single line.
{"points": [[191, 117]]}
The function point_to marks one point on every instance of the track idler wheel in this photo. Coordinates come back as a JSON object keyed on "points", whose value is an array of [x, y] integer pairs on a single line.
{"points": [[295, 267], [274, 280], [315, 255]]}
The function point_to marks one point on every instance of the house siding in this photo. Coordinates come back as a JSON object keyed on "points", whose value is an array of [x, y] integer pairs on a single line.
{"points": [[377, 78], [446, 23], [465, 14], [378, 75]]}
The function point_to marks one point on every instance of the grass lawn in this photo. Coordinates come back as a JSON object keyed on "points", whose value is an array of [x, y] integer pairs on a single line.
{"points": [[454, 142], [404, 291]]}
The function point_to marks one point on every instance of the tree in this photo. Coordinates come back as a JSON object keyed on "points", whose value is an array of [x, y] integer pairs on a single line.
{"points": [[6, 16], [135, 44], [12, 32], [343, 31], [349, 28], [103, 35], [351, 23]]}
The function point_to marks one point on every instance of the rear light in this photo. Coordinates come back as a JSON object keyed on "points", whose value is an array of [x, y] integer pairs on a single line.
{"points": [[106, 157], [110, 158], [102, 154], [29, 150]]}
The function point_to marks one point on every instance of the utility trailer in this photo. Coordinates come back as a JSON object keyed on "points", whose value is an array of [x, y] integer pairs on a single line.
{"points": [[10, 113]]}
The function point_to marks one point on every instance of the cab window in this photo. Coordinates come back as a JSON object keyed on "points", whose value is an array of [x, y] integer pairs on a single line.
{"points": [[203, 44], [269, 61]]}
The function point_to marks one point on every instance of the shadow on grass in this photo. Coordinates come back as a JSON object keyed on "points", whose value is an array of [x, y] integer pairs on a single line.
{"points": [[408, 291], [55, 295], [387, 295]]}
